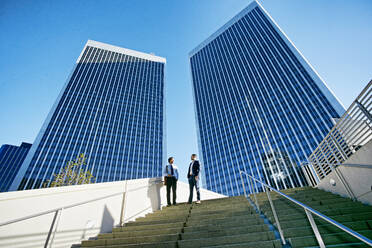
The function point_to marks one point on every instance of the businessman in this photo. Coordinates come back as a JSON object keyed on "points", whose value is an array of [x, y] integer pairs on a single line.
{"points": [[171, 177], [193, 176]]}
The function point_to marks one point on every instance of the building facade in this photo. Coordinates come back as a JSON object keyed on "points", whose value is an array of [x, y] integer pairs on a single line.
{"points": [[260, 106], [11, 159], [112, 110]]}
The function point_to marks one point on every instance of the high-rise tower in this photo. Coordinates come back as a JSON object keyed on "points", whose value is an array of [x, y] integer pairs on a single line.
{"points": [[112, 110], [260, 106], [11, 159]]}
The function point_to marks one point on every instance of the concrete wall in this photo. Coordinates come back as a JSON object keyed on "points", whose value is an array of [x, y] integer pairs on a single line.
{"points": [[81, 222], [358, 177]]}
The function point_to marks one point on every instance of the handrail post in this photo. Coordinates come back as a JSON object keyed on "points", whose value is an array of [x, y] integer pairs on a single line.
{"points": [[275, 216], [254, 194], [241, 177], [255, 185], [55, 219], [56, 226], [123, 203], [344, 182], [315, 229]]}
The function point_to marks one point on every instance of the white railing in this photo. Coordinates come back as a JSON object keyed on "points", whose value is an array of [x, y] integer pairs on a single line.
{"points": [[57, 211], [351, 132], [308, 210]]}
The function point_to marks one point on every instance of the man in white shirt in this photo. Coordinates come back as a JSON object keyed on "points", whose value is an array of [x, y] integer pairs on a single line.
{"points": [[193, 176], [171, 176]]}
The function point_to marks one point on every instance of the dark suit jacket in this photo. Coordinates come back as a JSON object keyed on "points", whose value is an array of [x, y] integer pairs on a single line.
{"points": [[195, 169]]}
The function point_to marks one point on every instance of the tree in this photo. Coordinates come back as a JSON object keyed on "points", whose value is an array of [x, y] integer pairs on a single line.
{"points": [[73, 173]]}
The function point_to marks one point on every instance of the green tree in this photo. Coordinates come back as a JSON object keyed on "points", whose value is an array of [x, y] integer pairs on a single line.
{"points": [[73, 173]]}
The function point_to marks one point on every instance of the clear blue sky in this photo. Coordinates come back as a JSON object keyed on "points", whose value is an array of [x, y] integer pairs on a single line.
{"points": [[41, 40]]}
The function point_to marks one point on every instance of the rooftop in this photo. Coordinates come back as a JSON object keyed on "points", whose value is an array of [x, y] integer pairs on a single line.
{"points": [[122, 50], [237, 17]]}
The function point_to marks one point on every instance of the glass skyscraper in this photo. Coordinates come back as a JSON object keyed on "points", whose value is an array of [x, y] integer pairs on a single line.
{"points": [[112, 110], [11, 159], [260, 106]]}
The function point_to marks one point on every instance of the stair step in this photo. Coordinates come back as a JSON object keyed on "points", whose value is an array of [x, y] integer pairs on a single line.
{"points": [[179, 218], [148, 227], [329, 212], [250, 227], [329, 239], [167, 215], [224, 199], [172, 244], [334, 215], [323, 229], [210, 233], [207, 212], [206, 203], [253, 219], [131, 240], [356, 226], [261, 244], [284, 201], [221, 215], [221, 207], [320, 208], [134, 233], [153, 222], [224, 240]]}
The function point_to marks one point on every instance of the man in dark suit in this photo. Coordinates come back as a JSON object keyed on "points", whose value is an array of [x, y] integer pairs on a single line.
{"points": [[171, 178], [193, 176]]}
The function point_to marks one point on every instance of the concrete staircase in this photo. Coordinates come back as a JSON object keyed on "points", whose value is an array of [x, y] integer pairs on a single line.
{"points": [[297, 229], [220, 223], [233, 223]]}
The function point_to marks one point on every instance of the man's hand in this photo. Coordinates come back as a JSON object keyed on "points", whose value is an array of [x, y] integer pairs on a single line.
{"points": [[169, 175], [197, 178]]}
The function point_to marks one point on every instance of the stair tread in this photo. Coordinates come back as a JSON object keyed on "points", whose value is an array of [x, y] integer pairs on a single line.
{"points": [[223, 232], [228, 239], [329, 239], [211, 226], [172, 244], [260, 244], [151, 232], [132, 240], [144, 227]]}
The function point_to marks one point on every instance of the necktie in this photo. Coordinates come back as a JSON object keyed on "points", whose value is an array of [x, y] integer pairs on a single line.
{"points": [[172, 172]]}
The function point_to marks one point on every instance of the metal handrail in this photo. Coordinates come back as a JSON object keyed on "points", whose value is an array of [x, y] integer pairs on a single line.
{"points": [[308, 210], [58, 210]]}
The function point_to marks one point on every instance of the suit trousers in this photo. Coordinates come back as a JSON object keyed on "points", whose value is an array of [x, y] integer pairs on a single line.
{"points": [[194, 183], [171, 183]]}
